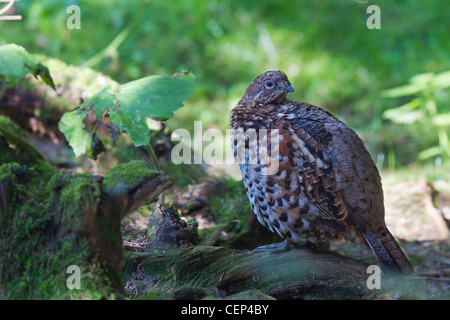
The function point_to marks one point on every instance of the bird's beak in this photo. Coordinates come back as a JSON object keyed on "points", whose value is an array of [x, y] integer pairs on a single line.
{"points": [[288, 89]]}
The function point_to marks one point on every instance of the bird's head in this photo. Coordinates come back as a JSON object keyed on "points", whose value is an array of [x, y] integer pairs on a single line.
{"points": [[269, 88]]}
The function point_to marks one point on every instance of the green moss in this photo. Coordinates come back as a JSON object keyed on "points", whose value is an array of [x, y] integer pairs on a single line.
{"points": [[78, 193], [38, 235], [158, 293], [251, 295], [169, 267], [128, 175]]}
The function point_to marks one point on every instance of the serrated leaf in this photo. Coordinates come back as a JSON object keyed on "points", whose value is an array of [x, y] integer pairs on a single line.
{"points": [[158, 96], [16, 63], [129, 107]]}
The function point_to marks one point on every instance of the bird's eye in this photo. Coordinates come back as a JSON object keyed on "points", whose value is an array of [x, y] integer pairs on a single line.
{"points": [[269, 84]]}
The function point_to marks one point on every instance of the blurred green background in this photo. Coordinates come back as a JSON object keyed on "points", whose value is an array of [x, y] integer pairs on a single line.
{"points": [[332, 59]]}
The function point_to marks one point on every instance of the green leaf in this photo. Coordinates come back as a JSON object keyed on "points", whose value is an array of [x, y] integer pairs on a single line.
{"points": [[161, 96], [405, 113], [153, 97], [129, 107], [418, 83], [16, 63], [442, 120], [71, 124], [430, 152], [442, 80], [99, 102], [405, 90]]}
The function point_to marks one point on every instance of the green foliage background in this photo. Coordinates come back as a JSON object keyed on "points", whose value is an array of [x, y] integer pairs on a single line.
{"points": [[332, 58]]}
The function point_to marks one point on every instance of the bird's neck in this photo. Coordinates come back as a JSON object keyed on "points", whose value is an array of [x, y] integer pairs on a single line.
{"points": [[251, 114]]}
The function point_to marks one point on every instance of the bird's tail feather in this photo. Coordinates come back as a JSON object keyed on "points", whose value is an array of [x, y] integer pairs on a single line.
{"points": [[389, 255]]}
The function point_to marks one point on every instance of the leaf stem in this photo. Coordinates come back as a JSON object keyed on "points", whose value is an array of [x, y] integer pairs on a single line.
{"points": [[155, 162], [154, 158], [110, 50]]}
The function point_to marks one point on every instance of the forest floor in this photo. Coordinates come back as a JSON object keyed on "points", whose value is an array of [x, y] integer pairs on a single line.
{"points": [[415, 213]]}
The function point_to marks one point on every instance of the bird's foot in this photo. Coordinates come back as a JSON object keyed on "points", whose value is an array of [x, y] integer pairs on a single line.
{"points": [[281, 247]]}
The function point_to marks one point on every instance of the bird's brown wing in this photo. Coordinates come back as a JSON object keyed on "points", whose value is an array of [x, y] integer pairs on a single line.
{"points": [[305, 140]]}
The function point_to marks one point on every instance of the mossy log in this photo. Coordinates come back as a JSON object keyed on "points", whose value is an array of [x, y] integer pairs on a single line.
{"points": [[172, 266], [206, 272], [52, 220], [297, 274]]}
